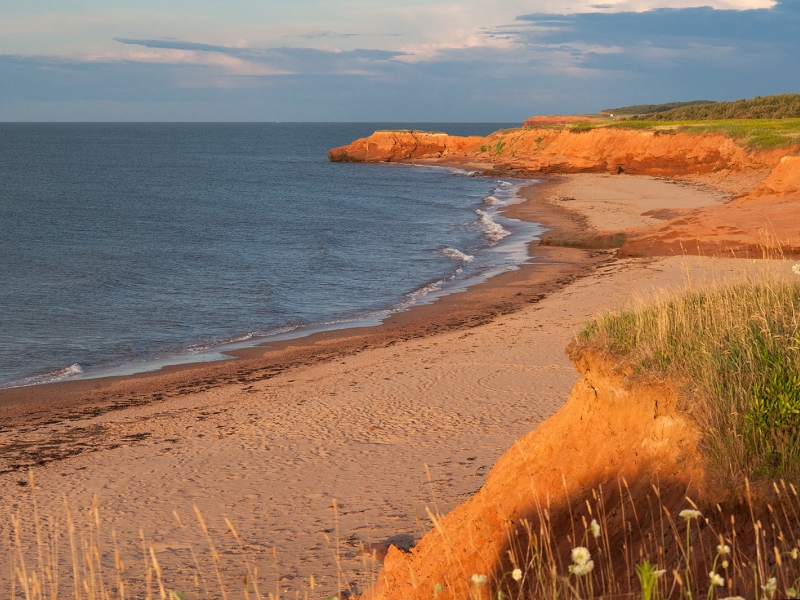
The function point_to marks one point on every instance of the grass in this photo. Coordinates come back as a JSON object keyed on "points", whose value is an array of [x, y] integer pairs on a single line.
{"points": [[753, 133], [72, 555], [622, 543], [733, 351], [764, 134], [617, 541]]}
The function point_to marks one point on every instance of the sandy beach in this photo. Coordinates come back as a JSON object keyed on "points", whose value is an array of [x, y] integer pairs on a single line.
{"points": [[271, 439]]}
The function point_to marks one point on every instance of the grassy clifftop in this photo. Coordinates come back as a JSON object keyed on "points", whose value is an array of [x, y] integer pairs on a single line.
{"points": [[784, 106], [735, 352]]}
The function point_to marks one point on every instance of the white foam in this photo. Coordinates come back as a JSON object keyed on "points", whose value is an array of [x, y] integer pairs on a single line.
{"points": [[493, 230], [456, 254], [51, 377], [492, 200]]}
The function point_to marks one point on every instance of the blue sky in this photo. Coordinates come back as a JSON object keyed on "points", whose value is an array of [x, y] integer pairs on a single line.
{"points": [[381, 60]]}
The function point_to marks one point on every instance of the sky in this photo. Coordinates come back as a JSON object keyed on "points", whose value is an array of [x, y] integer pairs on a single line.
{"points": [[384, 60]]}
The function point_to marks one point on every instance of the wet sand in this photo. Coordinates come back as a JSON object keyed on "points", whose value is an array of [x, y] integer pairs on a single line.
{"points": [[270, 439]]}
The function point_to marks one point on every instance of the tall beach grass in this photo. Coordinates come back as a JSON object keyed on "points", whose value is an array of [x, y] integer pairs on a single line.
{"points": [[733, 352]]}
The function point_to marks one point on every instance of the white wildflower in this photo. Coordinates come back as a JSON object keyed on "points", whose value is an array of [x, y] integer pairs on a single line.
{"points": [[796, 269], [594, 527], [582, 569], [580, 555], [716, 579], [723, 549], [516, 574], [793, 553], [770, 587], [689, 514], [725, 564], [478, 579], [659, 572]]}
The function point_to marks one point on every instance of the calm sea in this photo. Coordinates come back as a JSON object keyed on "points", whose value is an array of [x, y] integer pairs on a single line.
{"points": [[128, 246]]}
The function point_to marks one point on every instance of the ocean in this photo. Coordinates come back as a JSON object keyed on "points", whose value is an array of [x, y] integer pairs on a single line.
{"points": [[125, 247]]}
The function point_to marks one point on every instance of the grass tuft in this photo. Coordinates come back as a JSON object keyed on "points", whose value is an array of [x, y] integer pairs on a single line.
{"points": [[734, 352]]}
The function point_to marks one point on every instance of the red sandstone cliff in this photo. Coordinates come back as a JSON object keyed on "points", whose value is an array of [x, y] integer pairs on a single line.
{"points": [[565, 151]]}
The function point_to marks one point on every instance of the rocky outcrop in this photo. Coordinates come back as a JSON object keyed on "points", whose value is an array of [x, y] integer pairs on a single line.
{"points": [[396, 146], [609, 429]]}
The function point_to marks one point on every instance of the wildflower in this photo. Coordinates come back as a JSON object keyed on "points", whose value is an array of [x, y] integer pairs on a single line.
{"points": [[478, 579], [796, 269], [438, 588], [659, 572], [516, 574], [793, 553], [723, 549], [594, 527], [716, 579], [770, 587], [725, 564], [580, 555], [583, 569], [690, 514]]}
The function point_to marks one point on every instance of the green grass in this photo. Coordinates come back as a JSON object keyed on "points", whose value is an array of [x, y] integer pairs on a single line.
{"points": [[643, 109], [734, 353], [753, 133]]}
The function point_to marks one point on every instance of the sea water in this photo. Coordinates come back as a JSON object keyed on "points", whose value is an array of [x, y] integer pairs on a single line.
{"points": [[129, 246]]}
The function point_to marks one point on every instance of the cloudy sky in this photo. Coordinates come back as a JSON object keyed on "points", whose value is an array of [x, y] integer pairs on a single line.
{"points": [[384, 60]]}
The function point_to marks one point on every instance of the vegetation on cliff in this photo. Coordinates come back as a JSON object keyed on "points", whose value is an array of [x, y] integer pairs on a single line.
{"points": [[783, 106], [734, 352], [644, 109]]}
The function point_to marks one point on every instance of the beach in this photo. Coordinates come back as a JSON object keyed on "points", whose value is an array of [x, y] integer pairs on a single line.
{"points": [[385, 420]]}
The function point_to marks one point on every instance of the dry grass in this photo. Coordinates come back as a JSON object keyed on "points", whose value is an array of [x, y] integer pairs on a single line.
{"points": [[71, 555], [634, 543]]}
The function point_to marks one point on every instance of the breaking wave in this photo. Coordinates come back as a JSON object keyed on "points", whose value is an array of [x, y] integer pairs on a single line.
{"points": [[493, 230], [456, 254], [51, 377]]}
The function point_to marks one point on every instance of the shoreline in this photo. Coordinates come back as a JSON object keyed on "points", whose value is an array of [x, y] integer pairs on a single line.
{"points": [[356, 418], [511, 247], [477, 304]]}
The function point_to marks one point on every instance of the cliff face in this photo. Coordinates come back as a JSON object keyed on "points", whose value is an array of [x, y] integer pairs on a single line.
{"points": [[607, 430], [543, 150], [396, 146]]}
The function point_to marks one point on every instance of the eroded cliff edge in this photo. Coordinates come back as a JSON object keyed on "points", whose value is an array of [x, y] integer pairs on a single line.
{"points": [[612, 429]]}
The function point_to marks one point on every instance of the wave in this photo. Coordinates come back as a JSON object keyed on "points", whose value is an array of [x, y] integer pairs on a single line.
{"points": [[456, 254], [493, 230], [492, 200], [51, 377]]}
